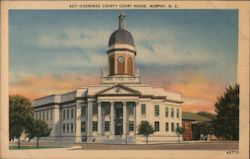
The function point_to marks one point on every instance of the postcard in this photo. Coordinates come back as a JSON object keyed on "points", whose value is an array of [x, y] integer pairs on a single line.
{"points": [[124, 79]]}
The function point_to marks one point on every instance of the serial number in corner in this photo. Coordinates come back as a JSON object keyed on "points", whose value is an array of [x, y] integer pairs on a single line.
{"points": [[231, 152]]}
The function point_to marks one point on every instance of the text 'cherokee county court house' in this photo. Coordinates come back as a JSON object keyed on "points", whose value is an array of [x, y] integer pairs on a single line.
{"points": [[112, 111]]}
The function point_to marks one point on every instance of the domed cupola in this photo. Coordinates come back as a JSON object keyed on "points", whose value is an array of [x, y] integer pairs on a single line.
{"points": [[121, 38], [121, 57]]}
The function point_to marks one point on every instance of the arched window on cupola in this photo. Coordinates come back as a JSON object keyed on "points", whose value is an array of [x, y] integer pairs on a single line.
{"points": [[111, 66], [130, 66], [121, 65]]}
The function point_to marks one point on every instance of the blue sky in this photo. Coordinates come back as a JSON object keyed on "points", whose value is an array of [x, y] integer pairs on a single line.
{"points": [[173, 46]]}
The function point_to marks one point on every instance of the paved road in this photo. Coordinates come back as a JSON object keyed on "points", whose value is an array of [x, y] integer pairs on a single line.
{"points": [[181, 146]]}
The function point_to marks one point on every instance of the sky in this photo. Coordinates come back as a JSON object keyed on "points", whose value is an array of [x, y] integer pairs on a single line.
{"points": [[193, 52]]}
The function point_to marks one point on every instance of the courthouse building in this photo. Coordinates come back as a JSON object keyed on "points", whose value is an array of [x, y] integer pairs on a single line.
{"points": [[112, 111]]}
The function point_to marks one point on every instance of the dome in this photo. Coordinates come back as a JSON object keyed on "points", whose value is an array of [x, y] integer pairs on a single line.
{"points": [[121, 36]]}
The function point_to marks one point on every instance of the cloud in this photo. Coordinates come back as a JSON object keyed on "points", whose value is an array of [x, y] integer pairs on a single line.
{"points": [[197, 107], [199, 92], [161, 47], [61, 56], [166, 47], [32, 86], [73, 38]]}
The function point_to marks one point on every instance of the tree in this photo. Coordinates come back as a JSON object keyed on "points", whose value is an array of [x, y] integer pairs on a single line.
{"points": [[20, 113], [145, 129], [29, 129], [226, 121], [179, 131], [204, 128], [38, 129]]}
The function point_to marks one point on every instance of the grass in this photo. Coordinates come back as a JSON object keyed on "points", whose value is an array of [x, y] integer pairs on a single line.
{"points": [[32, 147]]}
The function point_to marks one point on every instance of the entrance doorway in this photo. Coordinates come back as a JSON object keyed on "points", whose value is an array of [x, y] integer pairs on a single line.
{"points": [[118, 119]]}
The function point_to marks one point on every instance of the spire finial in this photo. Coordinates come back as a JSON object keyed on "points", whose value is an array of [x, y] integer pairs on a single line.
{"points": [[121, 21]]}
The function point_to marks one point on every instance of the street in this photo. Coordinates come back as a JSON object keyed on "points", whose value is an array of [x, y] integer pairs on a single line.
{"points": [[163, 146], [180, 146]]}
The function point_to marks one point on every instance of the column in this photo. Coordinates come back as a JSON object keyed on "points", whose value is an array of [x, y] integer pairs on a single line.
{"points": [[78, 121], [90, 119], [56, 130], [112, 120], [99, 119], [135, 117], [124, 118]]}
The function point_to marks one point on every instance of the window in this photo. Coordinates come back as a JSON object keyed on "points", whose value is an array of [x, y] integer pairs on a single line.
{"points": [[131, 110], [111, 66], [131, 126], [172, 112], [121, 65], [67, 127], [51, 114], [43, 115], [94, 125], [72, 127], [106, 126], [172, 127], [177, 113], [83, 126], [72, 113], [83, 111], [177, 125], [166, 111], [157, 110], [143, 109], [106, 109], [67, 113], [157, 126], [64, 114], [63, 128], [95, 109], [130, 66], [166, 126]]}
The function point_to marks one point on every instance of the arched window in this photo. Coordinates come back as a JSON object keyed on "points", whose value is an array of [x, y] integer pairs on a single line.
{"points": [[130, 66], [121, 65], [111, 66]]}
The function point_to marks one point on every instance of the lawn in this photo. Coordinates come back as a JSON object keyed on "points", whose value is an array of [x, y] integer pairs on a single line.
{"points": [[33, 147]]}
